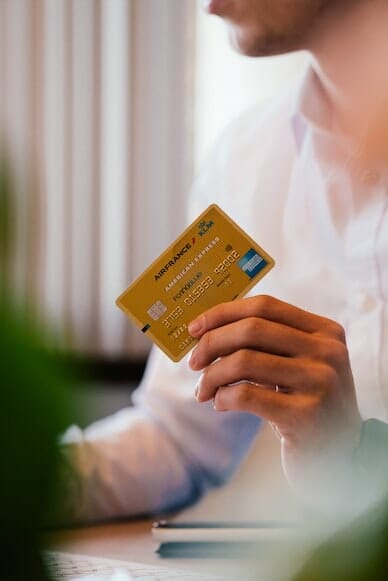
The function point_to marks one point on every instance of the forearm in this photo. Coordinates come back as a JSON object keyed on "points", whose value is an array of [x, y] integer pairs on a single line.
{"points": [[158, 456], [125, 465]]}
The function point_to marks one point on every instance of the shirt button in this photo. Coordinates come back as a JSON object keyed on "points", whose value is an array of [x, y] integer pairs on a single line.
{"points": [[362, 301]]}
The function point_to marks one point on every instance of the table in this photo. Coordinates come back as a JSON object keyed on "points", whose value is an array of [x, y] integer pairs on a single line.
{"points": [[252, 495], [132, 541]]}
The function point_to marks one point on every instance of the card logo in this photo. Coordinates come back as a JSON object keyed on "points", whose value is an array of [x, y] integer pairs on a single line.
{"points": [[204, 226], [173, 261], [252, 263]]}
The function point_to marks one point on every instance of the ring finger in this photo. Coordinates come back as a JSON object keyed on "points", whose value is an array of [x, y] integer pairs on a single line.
{"points": [[252, 366]]}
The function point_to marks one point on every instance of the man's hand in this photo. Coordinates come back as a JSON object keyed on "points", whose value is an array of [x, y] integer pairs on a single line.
{"points": [[264, 356]]}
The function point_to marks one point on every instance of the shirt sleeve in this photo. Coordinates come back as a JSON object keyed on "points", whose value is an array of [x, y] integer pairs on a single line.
{"points": [[155, 457]]}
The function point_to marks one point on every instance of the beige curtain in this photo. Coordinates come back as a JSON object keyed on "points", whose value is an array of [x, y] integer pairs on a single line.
{"points": [[95, 119]]}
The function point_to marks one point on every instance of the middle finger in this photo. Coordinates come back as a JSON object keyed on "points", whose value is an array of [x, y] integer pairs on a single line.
{"points": [[251, 333]]}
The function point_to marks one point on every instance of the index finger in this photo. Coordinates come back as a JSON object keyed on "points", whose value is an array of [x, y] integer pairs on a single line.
{"points": [[265, 307]]}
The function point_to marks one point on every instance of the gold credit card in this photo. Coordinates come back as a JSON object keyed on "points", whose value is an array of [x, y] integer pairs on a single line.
{"points": [[212, 262]]}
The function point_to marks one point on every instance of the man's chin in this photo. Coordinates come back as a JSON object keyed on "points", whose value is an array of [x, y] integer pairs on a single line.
{"points": [[241, 43], [259, 46]]}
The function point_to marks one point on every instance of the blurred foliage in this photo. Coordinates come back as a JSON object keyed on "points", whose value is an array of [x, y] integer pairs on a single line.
{"points": [[34, 410], [357, 553], [6, 221]]}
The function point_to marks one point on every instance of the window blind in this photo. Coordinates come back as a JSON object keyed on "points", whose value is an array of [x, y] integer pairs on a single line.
{"points": [[96, 121]]}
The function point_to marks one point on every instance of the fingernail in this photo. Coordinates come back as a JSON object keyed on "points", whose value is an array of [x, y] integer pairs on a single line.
{"points": [[198, 389], [198, 392], [194, 327], [216, 406], [192, 358]]}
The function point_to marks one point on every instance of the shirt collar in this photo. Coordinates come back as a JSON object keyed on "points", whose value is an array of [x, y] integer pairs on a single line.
{"points": [[311, 111], [310, 107]]}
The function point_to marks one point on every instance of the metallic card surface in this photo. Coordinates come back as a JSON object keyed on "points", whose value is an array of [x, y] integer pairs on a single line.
{"points": [[213, 261]]}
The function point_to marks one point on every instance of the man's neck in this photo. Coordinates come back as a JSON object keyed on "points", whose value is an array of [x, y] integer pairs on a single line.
{"points": [[350, 49]]}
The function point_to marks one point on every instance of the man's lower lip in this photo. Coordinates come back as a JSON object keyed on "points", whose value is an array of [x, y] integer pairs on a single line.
{"points": [[214, 6]]}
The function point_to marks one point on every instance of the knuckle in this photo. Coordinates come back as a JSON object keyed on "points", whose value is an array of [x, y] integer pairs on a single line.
{"points": [[241, 396], [222, 309], [241, 361], [339, 354], [206, 342], [326, 376], [312, 408], [308, 405], [264, 305], [337, 331], [332, 351], [251, 329], [212, 315]]}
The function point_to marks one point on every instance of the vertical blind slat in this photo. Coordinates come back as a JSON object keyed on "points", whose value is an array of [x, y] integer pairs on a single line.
{"points": [[17, 127], [68, 167], [35, 191], [3, 8], [53, 294], [114, 210], [82, 195], [95, 325]]}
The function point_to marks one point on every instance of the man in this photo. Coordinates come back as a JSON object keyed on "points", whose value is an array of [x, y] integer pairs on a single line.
{"points": [[308, 180]]}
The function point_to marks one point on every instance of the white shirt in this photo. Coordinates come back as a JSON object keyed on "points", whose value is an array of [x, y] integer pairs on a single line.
{"points": [[293, 188]]}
